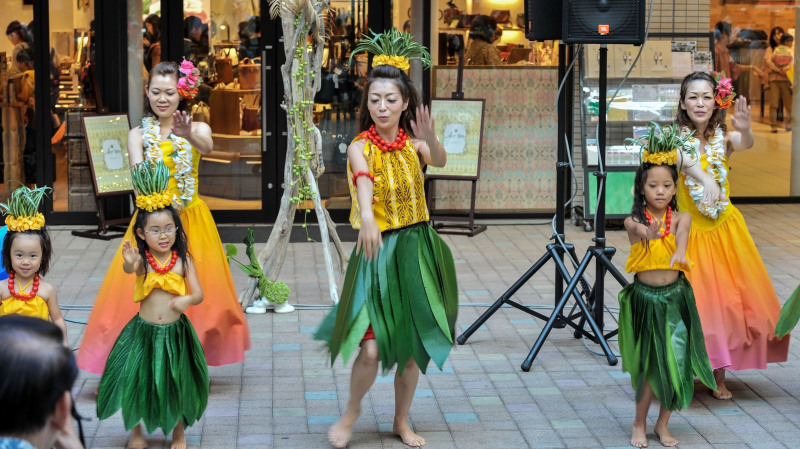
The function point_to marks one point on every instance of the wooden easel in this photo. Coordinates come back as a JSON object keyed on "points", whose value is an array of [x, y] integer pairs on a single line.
{"points": [[469, 228]]}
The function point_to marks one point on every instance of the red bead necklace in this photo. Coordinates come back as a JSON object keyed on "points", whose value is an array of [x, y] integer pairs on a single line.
{"points": [[667, 221], [385, 146], [22, 295], [157, 267]]}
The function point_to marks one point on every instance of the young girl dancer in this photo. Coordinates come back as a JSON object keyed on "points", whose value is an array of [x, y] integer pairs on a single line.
{"points": [[735, 297], [156, 372], [168, 134], [26, 256], [660, 336], [400, 299]]}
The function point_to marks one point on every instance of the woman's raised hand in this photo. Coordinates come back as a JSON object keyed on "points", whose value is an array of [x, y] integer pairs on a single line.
{"points": [[741, 114], [424, 127], [181, 124]]}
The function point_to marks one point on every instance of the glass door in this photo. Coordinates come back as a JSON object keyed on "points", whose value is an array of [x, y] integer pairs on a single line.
{"points": [[338, 100], [73, 92], [224, 42]]}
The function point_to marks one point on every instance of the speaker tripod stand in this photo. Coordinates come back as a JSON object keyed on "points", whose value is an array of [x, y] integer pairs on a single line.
{"points": [[556, 251]]}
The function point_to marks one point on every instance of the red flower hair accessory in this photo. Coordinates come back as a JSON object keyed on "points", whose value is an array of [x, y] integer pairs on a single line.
{"points": [[725, 93], [188, 80]]}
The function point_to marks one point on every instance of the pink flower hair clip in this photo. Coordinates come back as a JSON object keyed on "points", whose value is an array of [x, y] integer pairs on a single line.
{"points": [[189, 80], [725, 93]]}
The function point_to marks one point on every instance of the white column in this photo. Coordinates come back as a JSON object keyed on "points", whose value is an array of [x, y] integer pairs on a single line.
{"points": [[794, 177]]}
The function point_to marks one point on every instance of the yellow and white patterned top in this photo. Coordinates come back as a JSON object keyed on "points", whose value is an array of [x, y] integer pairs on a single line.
{"points": [[398, 191]]}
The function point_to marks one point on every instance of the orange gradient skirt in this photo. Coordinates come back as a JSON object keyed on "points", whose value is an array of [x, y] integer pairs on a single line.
{"points": [[735, 298], [219, 321]]}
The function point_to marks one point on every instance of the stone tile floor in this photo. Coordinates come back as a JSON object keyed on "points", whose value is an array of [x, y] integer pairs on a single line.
{"points": [[286, 393]]}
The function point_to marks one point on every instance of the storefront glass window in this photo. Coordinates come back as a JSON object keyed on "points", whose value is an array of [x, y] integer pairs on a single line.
{"points": [[73, 93], [755, 44], [17, 98], [222, 39], [336, 104]]}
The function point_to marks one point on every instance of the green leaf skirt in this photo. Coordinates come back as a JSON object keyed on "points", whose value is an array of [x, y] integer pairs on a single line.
{"points": [[157, 375], [408, 294], [661, 341], [790, 314]]}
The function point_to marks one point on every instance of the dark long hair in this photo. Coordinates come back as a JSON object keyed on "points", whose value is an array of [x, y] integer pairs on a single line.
{"points": [[639, 200], [44, 239], [21, 30], [35, 371], [483, 28], [683, 116], [181, 245], [165, 68], [155, 21], [772, 42], [407, 91]]}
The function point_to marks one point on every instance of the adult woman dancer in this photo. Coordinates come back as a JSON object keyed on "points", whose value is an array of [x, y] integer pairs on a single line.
{"points": [[736, 301], [400, 298], [167, 133]]}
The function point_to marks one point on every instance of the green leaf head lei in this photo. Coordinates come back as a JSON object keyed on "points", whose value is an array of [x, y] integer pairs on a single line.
{"points": [[392, 47], [22, 209], [151, 180]]}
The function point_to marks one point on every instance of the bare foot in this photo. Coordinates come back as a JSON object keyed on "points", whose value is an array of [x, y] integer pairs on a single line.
{"points": [[639, 436], [667, 440], [137, 440], [722, 391], [340, 432], [402, 429], [178, 437]]}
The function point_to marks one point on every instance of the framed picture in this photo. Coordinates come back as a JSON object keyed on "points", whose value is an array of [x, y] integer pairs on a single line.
{"points": [[107, 139], [460, 125]]}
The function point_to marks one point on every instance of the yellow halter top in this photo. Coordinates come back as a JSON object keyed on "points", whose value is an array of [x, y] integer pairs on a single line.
{"points": [[169, 282], [399, 191], [36, 307], [654, 255]]}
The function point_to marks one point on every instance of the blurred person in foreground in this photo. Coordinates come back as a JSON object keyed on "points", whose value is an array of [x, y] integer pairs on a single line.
{"points": [[36, 376]]}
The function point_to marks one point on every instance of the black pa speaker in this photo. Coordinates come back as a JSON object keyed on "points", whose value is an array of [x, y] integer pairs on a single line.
{"points": [[603, 21], [543, 19]]}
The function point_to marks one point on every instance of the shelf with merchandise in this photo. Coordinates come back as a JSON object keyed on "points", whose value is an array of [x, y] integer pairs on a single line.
{"points": [[649, 93]]}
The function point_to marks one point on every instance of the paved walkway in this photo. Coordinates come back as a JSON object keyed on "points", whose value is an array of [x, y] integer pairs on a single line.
{"points": [[286, 394]]}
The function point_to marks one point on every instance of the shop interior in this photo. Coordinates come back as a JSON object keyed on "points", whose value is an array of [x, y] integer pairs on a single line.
{"points": [[221, 39]]}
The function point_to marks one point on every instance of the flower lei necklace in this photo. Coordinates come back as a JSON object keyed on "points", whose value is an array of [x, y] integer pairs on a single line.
{"points": [[667, 221], [157, 265], [182, 156], [22, 295], [715, 156]]}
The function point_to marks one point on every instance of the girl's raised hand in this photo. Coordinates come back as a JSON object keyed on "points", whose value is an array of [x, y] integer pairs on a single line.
{"points": [[181, 124], [741, 114], [424, 128], [654, 229], [129, 253]]}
